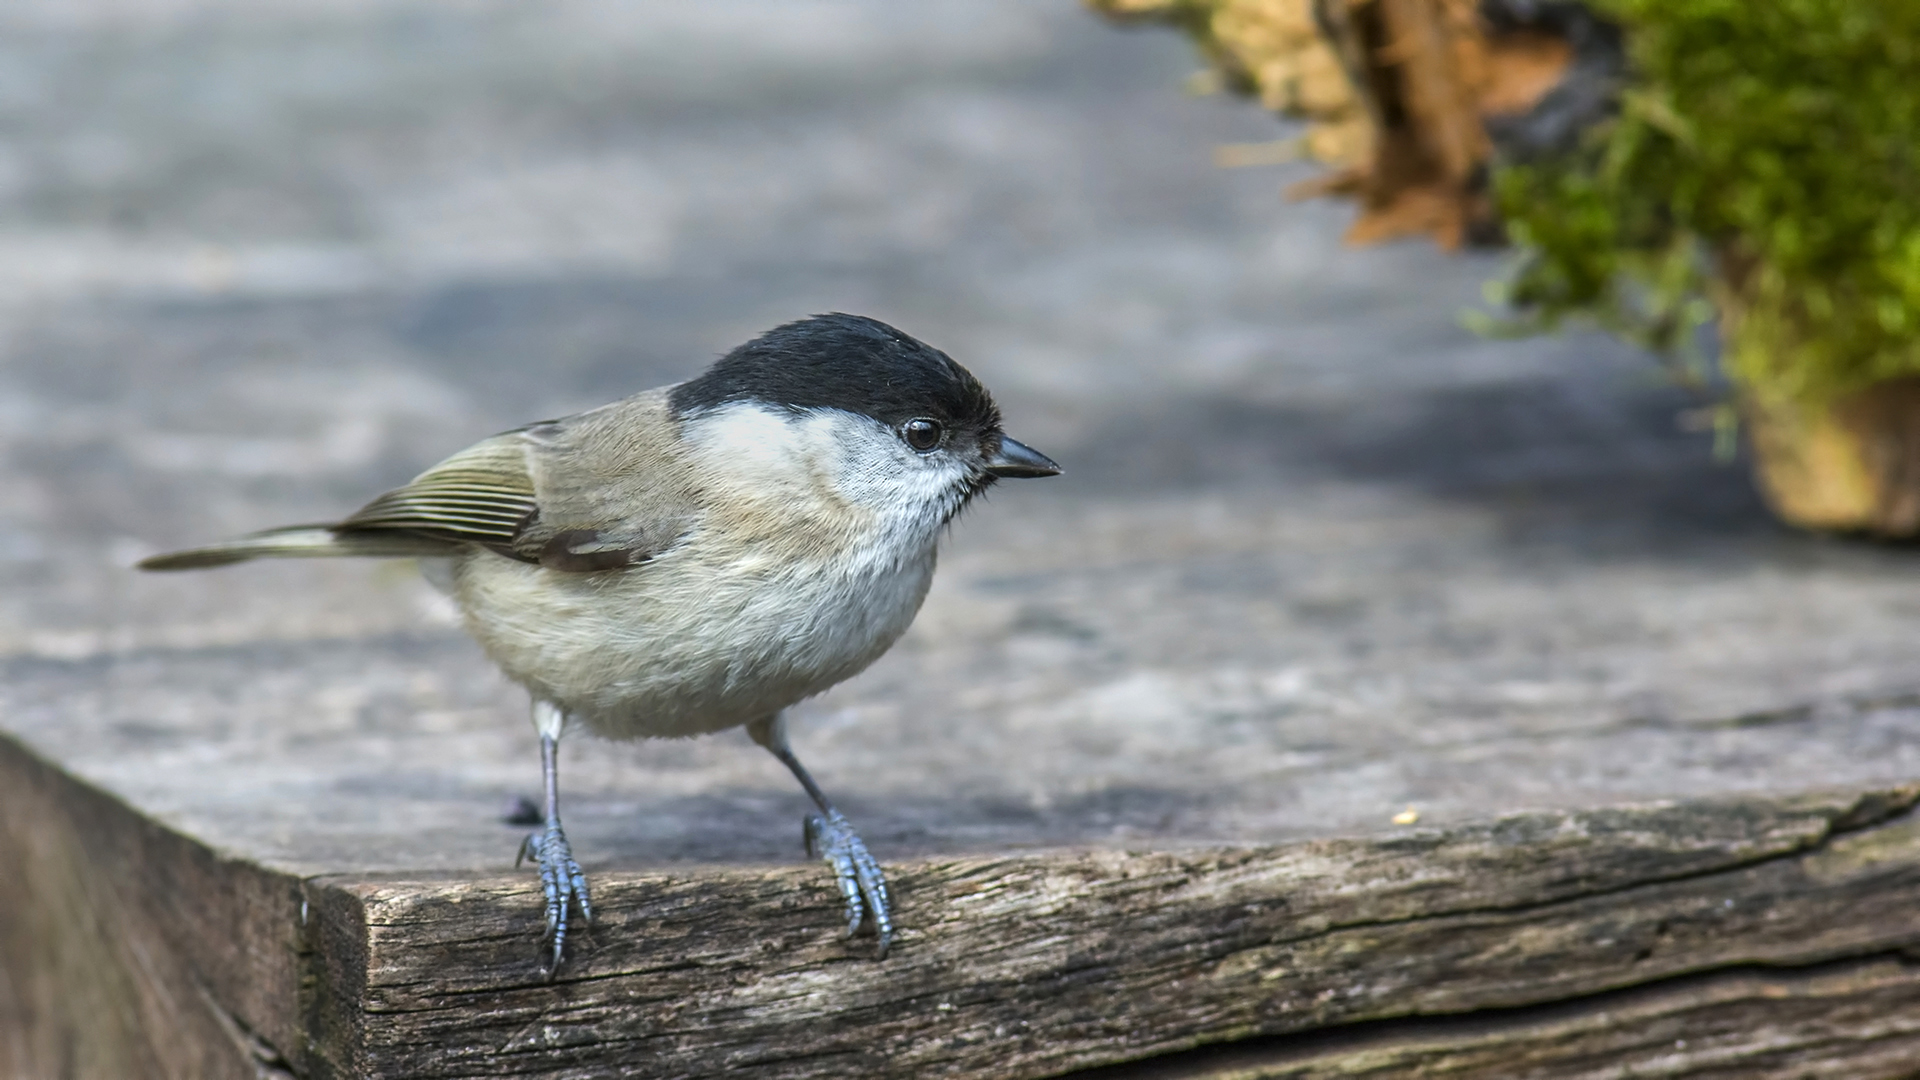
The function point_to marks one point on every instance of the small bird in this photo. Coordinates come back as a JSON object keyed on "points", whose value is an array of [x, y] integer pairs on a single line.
{"points": [[698, 556]]}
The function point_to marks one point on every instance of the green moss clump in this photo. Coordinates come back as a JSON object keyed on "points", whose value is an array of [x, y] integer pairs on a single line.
{"points": [[1766, 158]]}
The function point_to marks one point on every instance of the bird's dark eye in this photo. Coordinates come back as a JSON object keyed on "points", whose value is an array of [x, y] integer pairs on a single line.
{"points": [[923, 435]]}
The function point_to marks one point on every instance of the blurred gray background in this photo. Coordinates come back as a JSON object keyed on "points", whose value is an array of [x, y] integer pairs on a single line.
{"points": [[1319, 553]]}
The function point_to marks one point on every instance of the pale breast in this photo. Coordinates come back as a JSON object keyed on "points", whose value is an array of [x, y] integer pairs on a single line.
{"points": [[695, 642]]}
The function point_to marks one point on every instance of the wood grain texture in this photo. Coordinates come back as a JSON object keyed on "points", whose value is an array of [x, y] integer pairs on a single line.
{"points": [[1035, 965], [1851, 1019], [146, 954]]}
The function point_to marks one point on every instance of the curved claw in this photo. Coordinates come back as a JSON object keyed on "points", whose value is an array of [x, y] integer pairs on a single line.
{"points": [[831, 838], [563, 882]]}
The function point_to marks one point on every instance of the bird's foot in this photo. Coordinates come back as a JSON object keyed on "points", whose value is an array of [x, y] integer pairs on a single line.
{"points": [[563, 882], [831, 838]]}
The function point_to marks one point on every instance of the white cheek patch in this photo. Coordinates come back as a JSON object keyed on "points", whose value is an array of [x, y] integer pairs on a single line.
{"points": [[877, 470]]}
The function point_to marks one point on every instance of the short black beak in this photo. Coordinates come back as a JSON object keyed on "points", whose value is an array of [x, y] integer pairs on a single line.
{"points": [[1017, 461]]}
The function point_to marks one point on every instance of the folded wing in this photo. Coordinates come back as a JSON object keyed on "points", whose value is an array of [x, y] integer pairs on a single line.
{"points": [[482, 495], [580, 520]]}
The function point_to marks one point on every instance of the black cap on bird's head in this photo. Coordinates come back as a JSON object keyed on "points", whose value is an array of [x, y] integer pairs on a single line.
{"points": [[847, 362], [861, 365]]}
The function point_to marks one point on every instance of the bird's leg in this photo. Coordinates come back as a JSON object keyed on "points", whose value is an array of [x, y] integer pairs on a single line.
{"points": [[831, 838], [560, 877]]}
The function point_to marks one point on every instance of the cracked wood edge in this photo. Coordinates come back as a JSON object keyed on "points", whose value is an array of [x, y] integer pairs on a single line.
{"points": [[1853, 1019], [1038, 964], [131, 950]]}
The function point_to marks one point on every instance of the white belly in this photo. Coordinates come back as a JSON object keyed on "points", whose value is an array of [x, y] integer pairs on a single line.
{"points": [[689, 643]]}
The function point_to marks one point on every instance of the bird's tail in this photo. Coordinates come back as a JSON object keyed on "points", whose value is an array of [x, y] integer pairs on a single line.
{"points": [[302, 542]]}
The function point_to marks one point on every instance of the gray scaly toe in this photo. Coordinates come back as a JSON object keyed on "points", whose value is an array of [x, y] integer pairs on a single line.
{"points": [[563, 882], [831, 838]]}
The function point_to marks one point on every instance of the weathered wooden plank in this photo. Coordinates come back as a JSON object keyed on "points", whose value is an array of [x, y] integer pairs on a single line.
{"points": [[143, 953], [1032, 965], [1845, 1020], [129, 950]]}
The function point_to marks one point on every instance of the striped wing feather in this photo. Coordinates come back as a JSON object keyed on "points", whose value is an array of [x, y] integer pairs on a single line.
{"points": [[481, 495]]}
